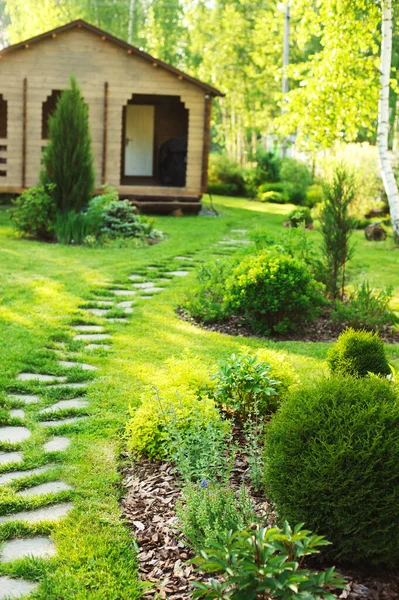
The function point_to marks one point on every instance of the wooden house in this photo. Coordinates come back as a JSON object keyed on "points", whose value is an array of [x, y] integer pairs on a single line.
{"points": [[150, 122]]}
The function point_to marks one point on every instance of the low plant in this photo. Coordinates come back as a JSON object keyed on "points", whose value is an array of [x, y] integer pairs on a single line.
{"points": [[331, 456], [71, 227], [120, 219], [300, 216], [34, 212], [253, 431], [358, 353], [224, 189], [96, 207], [265, 564], [223, 170], [208, 512], [274, 293], [296, 179], [243, 384], [273, 197], [314, 195], [366, 308]]}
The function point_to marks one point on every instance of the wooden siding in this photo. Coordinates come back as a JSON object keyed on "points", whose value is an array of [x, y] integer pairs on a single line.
{"points": [[48, 65]]}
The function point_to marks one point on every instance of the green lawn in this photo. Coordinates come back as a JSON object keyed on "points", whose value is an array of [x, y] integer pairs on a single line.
{"points": [[41, 289]]}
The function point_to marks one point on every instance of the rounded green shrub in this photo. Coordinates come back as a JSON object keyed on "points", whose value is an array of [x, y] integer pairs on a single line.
{"points": [[358, 353], [35, 212], [332, 461], [273, 292]]}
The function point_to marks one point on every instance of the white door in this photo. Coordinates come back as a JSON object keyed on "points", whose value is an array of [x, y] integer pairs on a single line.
{"points": [[139, 148]]}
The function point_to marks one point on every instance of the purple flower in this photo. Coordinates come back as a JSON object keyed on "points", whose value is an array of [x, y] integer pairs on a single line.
{"points": [[204, 483]]}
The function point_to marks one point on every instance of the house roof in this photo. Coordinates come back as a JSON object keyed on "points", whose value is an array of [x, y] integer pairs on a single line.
{"points": [[81, 24]]}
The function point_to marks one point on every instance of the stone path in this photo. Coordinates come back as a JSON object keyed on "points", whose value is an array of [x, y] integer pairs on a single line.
{"points": [[53, 497]]}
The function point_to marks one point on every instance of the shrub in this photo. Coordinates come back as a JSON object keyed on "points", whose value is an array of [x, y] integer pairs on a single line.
{"points": [[296, 178], [270, 187], [208, 512], [300, 216], [34, 212], [71, 227], [68, 157], [358, 353], [332, 453], [269, 163], [273, 293], [265, 563], [224, 189], [96, 207], [120, 219], [223, 170], [244, 384], [314, 195], [254, 178], [273, 197], [336, 228], [366, 309]]}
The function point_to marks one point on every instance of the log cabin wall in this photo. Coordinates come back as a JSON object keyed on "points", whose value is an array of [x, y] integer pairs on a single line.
{"points": [[47, 66]]}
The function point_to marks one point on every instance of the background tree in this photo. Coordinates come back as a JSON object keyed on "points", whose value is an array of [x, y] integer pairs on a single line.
{"points": [[68, 158]]}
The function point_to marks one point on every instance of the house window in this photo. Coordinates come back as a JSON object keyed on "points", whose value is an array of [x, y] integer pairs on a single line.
{"points": [[3, 117], [48, 109]]}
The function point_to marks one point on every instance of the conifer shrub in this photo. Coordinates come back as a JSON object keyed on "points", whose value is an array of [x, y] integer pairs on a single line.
{"points": [[68, 157], [358, 353], [331, 461]]}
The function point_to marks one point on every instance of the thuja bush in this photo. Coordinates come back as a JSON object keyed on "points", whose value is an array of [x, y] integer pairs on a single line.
{"points": [[68, 157], [274, 293], [331, 460], [358, 353]]}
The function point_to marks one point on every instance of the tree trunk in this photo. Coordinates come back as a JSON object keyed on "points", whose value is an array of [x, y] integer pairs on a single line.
{"points": [[388, 176], [130, 23]]}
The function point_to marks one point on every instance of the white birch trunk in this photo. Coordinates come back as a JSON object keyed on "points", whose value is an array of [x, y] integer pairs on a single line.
{"points": [[388, 177], [130, 24]]}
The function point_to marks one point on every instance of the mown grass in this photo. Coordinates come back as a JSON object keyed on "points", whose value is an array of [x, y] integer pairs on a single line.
{"points": [[42, 290]]}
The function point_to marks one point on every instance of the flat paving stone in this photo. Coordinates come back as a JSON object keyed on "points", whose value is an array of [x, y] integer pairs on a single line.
{"points": [[128, 311], [103, 302], [15, 588], [51, 487], [48, 513], [69, 364], [39, 377], [178, 273], [144, 285], [118, 320], [124, 292], [89, 328], [135, 277], [17, 413], [14, 435], [73, 386], [57, 444], [60, 422], [153, 290], [91, 347], [25, 398], [10, 457], [184, 258], [97, 312], [15, 475], [91, 337], [125, 304], [36, 547], [64, 405]]}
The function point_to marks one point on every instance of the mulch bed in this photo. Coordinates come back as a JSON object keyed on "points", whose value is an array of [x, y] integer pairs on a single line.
{"points": [[321, 330]]}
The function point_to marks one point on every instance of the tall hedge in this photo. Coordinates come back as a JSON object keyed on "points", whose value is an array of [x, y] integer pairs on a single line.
{"points": [[68, 157]]}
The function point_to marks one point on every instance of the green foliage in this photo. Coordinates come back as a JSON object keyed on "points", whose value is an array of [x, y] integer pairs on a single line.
{"points": [[273, 197], [223, 189], [244, 385], [246, 556], [296, 179], [358, 353], [300, 216], [71, 227], [270, 164], [366, 308], [34, 212], [208, 512], [314, 195], [96, 207], [273, 293], [336, 227], [331, 458], [223, 170], [120, 219], [271, 187], [68, 158]]}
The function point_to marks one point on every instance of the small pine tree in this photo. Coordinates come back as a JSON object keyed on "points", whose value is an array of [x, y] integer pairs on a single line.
{"points": [[68, 158]]}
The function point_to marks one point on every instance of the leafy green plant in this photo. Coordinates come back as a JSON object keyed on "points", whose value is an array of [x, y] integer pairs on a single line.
{"points": [[71, 227], [96, 207], [296, 179], [120, 219], [366, 308], [224, 189], [337, 226], [68, 157], [34, 212], [273, 197], [331, 456], [274, 293], [358, 353], [300, 216], [223, 170], [253, 431], [244, 384], [314, 195], [209, 511], [265, 564]]}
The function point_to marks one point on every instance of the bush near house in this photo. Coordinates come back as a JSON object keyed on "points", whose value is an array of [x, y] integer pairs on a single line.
{"points": [[34, 212]]}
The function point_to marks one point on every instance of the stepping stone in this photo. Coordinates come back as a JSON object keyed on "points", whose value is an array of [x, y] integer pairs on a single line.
{"points": [[124, 292], [104, 302], [51, 487], [183, 258], [74, 386], [57, 444], [91, 347], [91, 337], [48, 513], [89, 328], [144, 285], [60, 422], [10, 457], [39, 377], [125, 304], [242, 231], [118, 320], [153, 290], [65, 405], [97, 312], [25, 398], [36, 547], [69, 364], [178, 273], [15, 475], [128, 311], [136, 277], [17, 414], [15, 588], [152, 268], [14, 435]]}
